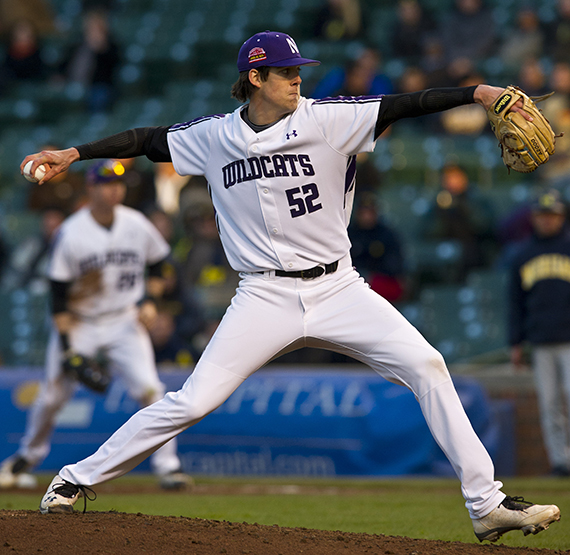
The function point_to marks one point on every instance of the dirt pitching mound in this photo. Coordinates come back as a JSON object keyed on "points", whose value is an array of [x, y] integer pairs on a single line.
{"points": [[29, 532]]}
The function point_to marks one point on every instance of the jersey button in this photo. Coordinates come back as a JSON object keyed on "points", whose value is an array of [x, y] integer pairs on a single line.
{"points": [[266, 191], [274, 230], [290, 264]]}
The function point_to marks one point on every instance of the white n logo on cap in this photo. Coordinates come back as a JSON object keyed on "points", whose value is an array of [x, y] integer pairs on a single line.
{"points": [[292, 45]]}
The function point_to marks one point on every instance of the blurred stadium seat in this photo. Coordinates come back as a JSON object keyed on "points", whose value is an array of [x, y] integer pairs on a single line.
{"points": [[24, 327], [179, 63], [467, 322]]}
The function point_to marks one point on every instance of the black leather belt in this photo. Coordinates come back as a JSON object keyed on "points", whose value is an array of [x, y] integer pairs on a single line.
{"points": [[311, 273]]}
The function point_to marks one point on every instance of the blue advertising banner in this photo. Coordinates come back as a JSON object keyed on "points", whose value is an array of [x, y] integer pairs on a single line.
{"points": [[307, 422]]}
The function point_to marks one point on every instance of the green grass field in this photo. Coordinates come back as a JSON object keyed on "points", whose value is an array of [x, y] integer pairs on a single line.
{"points": [[416, 508]]}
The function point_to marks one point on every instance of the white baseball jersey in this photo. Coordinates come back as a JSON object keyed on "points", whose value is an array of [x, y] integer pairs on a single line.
{"points": [[282, 196], [121, 253]]}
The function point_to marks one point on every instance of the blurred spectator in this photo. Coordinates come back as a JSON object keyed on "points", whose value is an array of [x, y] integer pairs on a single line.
{"points": [[206, 274], [361, 76], [92, 63], [468, 37], [460, 213], [557, 110], [206, 264], [410, 31], [168, 345], [178, 300], [28, 265], [434, 63], [558, 34], [141, 190], [532, 78], [468, 119], [412, 79], [38, 12], [368, 177], [207, 281], [164, 223], [23, 60], [338, 20], [191, 199], [512, 230], [525, 41], [168, 185], [65, 191], [539, 297], [376, 251]]}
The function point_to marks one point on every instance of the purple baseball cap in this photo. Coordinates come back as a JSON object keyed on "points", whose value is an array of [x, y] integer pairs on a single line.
{"points": [[271, 49], [104, 171]]}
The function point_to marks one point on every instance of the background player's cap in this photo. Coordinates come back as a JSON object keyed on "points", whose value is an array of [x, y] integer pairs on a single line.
{"points": [[271, 49], [549, 201], [104, 171]]}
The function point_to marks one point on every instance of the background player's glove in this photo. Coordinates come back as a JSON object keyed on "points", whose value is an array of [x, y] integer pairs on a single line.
{"points": [[86, 370], [524, 144]]}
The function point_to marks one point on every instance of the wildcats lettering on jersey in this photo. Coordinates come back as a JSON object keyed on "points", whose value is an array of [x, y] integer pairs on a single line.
{"points": [[117, 257], [278, 165]]}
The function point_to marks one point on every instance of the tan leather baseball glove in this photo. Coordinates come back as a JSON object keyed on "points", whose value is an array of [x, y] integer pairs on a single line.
{"points": [[525, 145]]}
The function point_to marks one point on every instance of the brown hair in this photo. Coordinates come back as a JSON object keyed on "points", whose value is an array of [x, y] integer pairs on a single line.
{"points": [[242, 89]]}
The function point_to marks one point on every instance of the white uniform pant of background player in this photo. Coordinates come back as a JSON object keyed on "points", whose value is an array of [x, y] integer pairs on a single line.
{"points": [[270, 315], [551, 369], [130, 354]]}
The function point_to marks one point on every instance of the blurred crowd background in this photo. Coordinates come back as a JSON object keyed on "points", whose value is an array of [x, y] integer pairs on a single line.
{"points": [[437, 215]]}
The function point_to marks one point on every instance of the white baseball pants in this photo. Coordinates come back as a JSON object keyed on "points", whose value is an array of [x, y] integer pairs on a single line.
{"points": [[271, 315], [551, 369], [129, 352]]}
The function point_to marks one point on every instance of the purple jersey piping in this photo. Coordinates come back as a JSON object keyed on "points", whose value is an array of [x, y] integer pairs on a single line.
{"points": [[348, 99], [186, 125]]}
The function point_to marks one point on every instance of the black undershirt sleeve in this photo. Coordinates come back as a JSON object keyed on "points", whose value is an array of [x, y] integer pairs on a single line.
{"points": [[142, 141], [59, 291], [409, 105]]}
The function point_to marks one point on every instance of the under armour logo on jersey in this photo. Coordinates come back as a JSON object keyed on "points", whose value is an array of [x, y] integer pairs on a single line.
{"points": [[292, 134]]}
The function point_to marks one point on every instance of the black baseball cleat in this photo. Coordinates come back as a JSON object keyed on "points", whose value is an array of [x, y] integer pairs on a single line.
{"points": [[514, 513], [61, 495]]}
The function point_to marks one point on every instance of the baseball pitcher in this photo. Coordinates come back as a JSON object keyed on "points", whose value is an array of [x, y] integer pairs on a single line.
{"points": [[281, 170]]}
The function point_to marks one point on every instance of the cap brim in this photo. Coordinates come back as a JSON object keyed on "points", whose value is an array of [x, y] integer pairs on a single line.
{"points": [[287, 62], [292, 62]]}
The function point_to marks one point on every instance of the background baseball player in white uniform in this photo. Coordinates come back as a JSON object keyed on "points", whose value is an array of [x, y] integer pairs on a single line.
{"points": [[281, 175], [98, 275]]}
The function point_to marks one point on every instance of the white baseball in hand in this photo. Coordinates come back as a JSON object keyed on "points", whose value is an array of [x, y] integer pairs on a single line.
{"points": [[38, 175]]}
